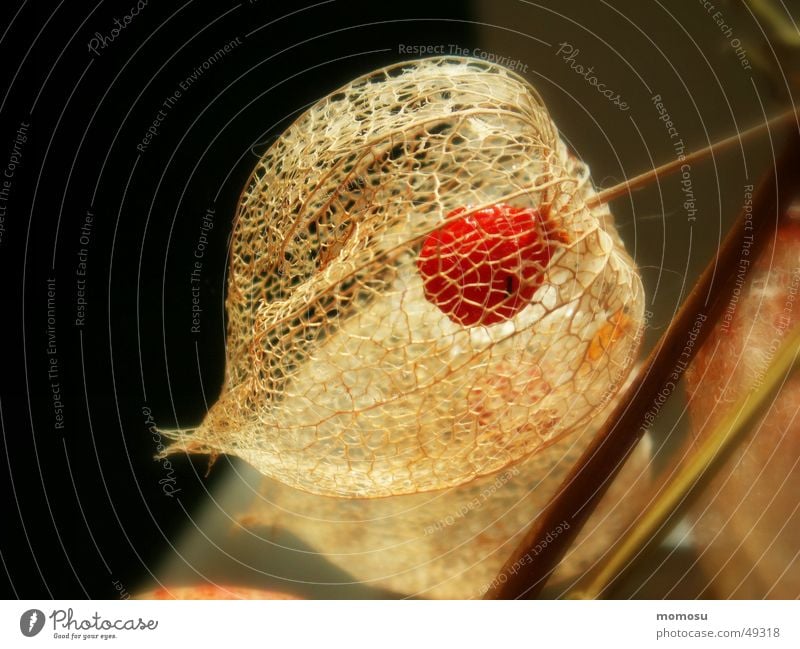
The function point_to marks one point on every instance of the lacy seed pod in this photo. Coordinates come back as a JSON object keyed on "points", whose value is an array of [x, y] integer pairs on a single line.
{"points": [[343, 376]]}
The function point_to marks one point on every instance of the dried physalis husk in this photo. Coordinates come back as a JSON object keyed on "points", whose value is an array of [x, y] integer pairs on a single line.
{"points": [[353, 372], [747, 521]]}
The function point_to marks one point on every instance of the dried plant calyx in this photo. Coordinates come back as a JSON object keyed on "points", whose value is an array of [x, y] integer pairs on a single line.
{"points": [[342, 377]]}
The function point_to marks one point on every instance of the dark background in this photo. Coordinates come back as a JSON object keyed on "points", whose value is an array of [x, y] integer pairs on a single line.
{"points": [[83, 510]]}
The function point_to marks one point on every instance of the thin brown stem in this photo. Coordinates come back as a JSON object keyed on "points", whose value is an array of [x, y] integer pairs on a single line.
{"points": [[528, 568], [610, 193]]}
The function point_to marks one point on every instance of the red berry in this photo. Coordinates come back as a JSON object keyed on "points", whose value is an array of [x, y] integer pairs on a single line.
{"points": [[484, 268]]}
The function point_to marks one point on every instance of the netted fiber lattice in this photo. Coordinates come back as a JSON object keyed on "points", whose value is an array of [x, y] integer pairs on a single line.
{"points": [[342, 378]]}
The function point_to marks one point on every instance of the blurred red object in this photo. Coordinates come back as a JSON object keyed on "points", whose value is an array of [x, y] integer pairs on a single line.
{"points": [[746, 523], [213, 591]]}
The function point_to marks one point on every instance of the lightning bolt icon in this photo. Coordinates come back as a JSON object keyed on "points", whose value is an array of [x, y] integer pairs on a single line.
{"points": [[32, 620]]}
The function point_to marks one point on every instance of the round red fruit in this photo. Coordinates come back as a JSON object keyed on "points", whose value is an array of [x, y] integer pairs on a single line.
{"points": [[484, 267]]}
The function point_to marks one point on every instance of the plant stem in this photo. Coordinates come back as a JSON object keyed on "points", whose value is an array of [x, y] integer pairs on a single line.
{"points": [[610, 193]]}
